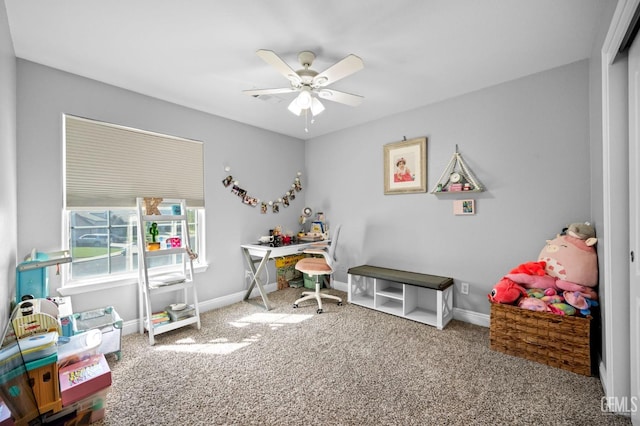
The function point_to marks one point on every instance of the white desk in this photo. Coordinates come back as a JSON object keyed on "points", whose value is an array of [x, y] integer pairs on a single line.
{"points": [[260, 254]]}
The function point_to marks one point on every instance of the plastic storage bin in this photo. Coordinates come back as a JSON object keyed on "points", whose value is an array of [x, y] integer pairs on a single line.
{"points": [[79, 347], [108, 322], [86, 411]]}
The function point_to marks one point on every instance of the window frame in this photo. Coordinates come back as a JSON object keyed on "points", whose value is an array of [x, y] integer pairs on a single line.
{"points": [[71, 286]]}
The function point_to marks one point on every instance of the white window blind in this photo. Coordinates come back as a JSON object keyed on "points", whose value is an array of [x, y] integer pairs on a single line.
{"points": [[109, 166]]}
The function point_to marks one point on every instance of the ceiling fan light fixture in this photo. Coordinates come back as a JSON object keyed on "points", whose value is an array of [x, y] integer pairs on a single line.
{"points": [[295, 108], [316, 106], [304, 98]]}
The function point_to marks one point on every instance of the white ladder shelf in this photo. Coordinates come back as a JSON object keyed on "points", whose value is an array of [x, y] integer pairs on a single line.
{"points": [[154, 278]]}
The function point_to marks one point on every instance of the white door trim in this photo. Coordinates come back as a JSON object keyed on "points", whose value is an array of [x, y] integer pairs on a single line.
{"points": [[614, 376]]}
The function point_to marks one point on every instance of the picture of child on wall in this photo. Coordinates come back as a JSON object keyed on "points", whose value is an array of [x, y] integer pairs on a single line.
{"points": [[402, 173]]}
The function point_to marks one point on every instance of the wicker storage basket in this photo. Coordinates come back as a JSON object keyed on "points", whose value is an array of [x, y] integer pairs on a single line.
{"points": [[554, 340]]}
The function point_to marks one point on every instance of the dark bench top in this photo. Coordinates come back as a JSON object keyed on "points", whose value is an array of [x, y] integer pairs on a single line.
{"points": [[423, 280]]}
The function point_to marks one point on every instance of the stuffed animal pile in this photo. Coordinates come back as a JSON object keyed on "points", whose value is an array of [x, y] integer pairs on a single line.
{"points": [[562, 281]]}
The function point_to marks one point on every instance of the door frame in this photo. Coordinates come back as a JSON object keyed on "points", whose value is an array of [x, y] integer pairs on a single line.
{"points": [[615, 367]]}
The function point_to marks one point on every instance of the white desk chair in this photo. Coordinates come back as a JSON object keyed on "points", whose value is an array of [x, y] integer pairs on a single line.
{"points": [[317, 267]]}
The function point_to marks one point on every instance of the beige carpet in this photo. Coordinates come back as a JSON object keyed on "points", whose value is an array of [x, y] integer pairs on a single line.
{"points": [[347, 366]]}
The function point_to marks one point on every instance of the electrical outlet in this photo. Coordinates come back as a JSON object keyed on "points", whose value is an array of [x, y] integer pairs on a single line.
{"points": [[248, 274], [464, 288]]}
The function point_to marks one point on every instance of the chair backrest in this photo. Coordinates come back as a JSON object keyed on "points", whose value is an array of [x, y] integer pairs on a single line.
{"points": [[334, 243]]}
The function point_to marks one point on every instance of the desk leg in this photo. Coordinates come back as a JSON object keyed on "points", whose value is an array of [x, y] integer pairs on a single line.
{"points": [[255, 272]]}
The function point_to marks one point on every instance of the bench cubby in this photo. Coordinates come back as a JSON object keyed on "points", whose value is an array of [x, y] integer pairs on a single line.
{"points": [[419, 297]]}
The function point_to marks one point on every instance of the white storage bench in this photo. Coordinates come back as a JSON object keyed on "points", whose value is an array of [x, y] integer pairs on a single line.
{"points": [[420, 297]]}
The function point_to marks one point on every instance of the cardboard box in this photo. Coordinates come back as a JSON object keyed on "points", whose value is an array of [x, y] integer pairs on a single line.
{"points": [[83, 379], [285, 269]]}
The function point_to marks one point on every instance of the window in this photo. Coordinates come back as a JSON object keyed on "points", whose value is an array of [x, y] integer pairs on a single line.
{"points": [[104, 243], [106, 168]]}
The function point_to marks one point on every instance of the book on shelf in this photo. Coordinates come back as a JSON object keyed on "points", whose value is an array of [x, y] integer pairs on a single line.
{"points": [[176, 315], [159, 318]]}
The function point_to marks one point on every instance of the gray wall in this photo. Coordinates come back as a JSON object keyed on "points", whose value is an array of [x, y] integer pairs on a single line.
{"points": [[7, 166], [265, 163], [527, 141]]}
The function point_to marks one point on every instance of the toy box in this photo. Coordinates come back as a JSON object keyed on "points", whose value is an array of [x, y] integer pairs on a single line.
{"points": [[43, 373], [83, 379], [554, 340], [108, 322]]}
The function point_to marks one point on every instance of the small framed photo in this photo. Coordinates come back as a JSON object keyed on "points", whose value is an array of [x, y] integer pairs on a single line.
{"points": [[464, 207], [405, 167]]}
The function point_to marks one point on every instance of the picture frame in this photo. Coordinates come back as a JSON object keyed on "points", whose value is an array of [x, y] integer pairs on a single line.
{"points": [[405, 166], [464, 207]]}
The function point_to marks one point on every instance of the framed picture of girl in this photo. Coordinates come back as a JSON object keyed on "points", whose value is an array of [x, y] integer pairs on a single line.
{"points": [[405, 166]]}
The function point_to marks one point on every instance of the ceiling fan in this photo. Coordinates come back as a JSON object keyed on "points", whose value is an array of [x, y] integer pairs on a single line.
{"points": [[310, 84]]}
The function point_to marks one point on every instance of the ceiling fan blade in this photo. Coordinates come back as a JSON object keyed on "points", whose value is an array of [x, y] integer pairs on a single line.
{"points": [[258, 92], [281, 66], [339, 70], [340, 97]]}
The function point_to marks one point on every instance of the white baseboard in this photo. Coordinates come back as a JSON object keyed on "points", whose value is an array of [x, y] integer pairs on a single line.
{"points": [[339, 285], [129, 327], [472, 317]]}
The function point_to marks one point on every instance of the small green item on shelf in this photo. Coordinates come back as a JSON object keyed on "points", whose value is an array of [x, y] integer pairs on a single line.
{"points": [[153, 230]]}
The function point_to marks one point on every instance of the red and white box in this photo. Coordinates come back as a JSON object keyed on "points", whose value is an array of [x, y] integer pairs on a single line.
{"points": [[84, 378]]}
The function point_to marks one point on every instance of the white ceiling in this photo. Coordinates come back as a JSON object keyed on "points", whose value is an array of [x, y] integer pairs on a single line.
{"points": [[201, 53]]}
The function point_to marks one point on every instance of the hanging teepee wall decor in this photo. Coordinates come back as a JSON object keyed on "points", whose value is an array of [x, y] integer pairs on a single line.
{"points": [[457, 177]]}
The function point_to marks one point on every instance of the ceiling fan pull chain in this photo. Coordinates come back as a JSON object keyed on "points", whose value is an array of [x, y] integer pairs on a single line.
{"points": [[306, 121]]}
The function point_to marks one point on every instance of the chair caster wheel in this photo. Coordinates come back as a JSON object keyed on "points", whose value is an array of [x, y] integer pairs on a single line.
{"points": [[295, 305], [319, 311], [339, 303]]}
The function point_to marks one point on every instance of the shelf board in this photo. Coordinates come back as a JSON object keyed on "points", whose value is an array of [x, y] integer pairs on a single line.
{"points": [[164, 252], [391, 292], [171, 287], [391, 306], [173, 325], [163, 217], [422, 315], [456, 192]]}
